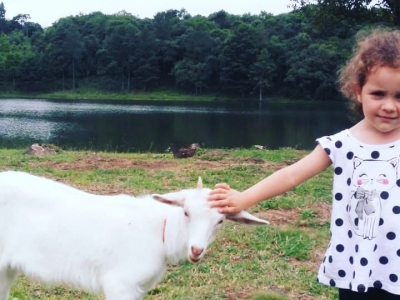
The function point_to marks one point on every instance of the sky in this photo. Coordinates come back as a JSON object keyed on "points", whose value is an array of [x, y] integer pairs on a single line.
{"points": [[46, 12]]}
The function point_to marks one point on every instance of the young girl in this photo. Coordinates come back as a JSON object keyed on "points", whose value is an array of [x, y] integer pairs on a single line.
{"points": [[363, 256]]}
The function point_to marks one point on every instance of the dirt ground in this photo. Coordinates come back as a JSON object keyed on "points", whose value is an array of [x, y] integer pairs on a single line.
{"points": [[277, 217]]}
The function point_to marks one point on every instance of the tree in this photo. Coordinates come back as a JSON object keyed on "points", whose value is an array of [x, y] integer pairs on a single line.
{"points": [[118, 53], [65, 48], [146, 69], [313, 71], [72, 48], [193, 70], [237, 55], [168, 27], [332, 12], [262, 71], [3, 21], [14, 50]]}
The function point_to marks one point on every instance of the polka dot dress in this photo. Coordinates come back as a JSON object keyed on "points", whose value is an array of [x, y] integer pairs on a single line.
{"points": [[364, 250]]}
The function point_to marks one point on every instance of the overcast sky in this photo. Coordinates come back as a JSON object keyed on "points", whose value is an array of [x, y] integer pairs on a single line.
{"points": [[46, 12]]}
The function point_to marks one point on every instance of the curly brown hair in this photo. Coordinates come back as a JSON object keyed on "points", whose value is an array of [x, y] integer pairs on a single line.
{"points": [[377, 48]]}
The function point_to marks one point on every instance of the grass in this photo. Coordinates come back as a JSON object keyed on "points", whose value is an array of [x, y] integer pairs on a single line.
{"points": [[95, 94], [88, 93], [276, 262]]}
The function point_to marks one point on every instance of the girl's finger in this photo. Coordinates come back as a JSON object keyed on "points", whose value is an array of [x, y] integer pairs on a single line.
{"points": [[222, 186], [218, 191], [218, 203], [227, 210]]}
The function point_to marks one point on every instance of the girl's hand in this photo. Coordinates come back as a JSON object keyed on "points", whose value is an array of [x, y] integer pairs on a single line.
{"points": [[227, 199]]}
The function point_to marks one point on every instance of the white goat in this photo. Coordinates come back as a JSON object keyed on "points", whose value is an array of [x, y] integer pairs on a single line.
{"points": [[118, 246]]}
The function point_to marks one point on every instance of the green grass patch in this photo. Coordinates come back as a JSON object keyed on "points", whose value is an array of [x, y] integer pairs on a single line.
{"points": [[276, 262]]}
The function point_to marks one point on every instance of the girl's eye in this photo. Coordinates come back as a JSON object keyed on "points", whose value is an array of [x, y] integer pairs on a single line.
{"points": [[377, 94]]}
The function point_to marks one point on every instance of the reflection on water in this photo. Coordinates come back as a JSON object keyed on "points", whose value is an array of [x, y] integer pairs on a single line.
{"points": [[151, 125]]}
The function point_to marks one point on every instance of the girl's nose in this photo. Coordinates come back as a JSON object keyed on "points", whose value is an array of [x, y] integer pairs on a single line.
{"points": [[389, 104]]}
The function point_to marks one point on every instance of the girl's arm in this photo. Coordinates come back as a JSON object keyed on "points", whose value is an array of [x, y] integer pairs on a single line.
{"points": [[232, 201]]}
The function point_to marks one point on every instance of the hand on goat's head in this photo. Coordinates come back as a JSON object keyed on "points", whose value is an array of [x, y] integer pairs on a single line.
{"points": [[202, 221]]}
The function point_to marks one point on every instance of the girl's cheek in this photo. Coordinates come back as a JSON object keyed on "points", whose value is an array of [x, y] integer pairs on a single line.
{"points": [[359, 182]]}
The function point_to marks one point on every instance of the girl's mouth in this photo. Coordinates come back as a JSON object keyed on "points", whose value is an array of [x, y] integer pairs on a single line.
{"points": [[386, 118]]}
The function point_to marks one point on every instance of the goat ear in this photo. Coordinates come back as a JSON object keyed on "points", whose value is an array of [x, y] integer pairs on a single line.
{"points": [[199, 183], [170, 198], [246, 218]]}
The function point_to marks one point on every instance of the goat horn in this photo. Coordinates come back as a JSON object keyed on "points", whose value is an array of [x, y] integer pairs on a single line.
{"points": [[199, 183]]}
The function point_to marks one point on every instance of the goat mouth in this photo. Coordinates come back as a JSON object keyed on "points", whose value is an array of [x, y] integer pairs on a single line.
{"points": [[194, 259]]}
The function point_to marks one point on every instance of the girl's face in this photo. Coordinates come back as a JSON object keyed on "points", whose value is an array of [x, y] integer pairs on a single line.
{"points": [[380, 98]]}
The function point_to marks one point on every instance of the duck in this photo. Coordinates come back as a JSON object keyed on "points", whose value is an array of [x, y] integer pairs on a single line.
{"points": [[185, 152], [41, 149]]}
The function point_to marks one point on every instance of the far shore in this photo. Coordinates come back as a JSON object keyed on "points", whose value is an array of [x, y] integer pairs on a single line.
{"points": [[160, 95]]}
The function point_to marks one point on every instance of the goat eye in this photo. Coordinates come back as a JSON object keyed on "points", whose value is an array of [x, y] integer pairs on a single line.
{"points": [[220, 222], [186, 214]]}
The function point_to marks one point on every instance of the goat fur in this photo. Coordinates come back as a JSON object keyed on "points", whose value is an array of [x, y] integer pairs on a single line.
{"points": [[118, 246]]}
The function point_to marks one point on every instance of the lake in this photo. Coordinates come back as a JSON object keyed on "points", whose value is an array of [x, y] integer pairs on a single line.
{"points": [[133, 126]]}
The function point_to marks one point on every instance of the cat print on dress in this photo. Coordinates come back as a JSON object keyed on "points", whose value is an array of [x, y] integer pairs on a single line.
{"points": [[371, 179]]}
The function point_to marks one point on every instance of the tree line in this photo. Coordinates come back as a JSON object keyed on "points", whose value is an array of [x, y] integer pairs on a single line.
{"points": [[294, 55]]}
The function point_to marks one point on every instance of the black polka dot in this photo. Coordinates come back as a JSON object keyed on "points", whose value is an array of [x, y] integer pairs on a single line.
{"points": [[376, 247], [391, 236], [393, 277], [381, 222], [330, 259], [342, 273], [350, 234], [398, 252], [398, 183], [338, 144], [338, 196], [328, 151], [383, 260], [377, 284], [350, 155], [351, 260], [356, 221], [375, 154], [356, 248], [332, 282], [396, 210], [354, 274], [370, 273], [361, 288], [339, 222], [384, 195], [338, 170], [349, 181], [340, 248], [364, 261]]}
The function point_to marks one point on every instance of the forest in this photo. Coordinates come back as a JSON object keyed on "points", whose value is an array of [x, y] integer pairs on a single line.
{"points": [[295, 55]]}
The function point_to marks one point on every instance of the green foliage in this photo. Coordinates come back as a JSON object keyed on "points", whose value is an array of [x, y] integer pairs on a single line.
{"points": [[294, 55]]}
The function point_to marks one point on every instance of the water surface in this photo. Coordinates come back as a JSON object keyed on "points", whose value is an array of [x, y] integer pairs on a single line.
{"points": [[155, 125]]}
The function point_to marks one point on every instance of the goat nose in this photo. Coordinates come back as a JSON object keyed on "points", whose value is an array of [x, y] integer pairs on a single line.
{"points": [[197, 251]]}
